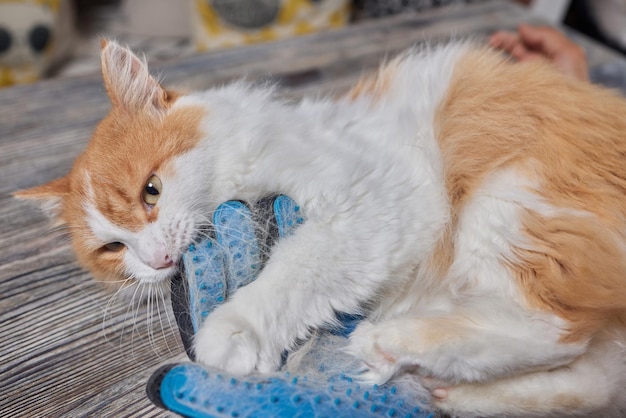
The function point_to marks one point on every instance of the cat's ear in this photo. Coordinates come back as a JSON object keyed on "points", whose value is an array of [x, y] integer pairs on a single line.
{"points": [[49, 196], [128, 82]]}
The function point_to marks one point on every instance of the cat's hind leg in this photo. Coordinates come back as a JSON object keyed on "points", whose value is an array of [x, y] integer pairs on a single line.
{"points": [[592, 385], [476, 366], [473, 366], [475, 342]]}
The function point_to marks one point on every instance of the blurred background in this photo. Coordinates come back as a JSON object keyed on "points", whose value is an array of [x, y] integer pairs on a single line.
{"points": [[61, 38]]}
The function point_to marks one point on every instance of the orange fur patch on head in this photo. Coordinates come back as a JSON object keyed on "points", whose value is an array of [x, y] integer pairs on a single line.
{"points": [[111, 174], [129, 83], [104, 265], [570, 136], [126, 150], [140, 135], [50, 195]]}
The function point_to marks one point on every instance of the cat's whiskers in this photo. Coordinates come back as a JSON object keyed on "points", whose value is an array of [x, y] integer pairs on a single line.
{"points": [[160, 297], [148, 307], [137, 316], [206, 234], [151, 305], [205, 231], [110, 303], [133, 312], [146, 301], [146, 297], [59, 232]]}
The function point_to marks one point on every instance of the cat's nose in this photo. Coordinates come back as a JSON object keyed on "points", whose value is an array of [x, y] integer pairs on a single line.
{"points": [[161, 260]]}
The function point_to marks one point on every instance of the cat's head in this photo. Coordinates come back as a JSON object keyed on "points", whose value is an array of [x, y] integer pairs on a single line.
{"points": [[129, 200]]}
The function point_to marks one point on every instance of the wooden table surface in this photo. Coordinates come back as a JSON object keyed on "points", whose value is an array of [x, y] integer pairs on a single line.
{"points": [[68, 347]]}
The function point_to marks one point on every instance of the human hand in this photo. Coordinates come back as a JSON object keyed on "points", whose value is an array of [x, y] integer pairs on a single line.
{"points": [[531, 43]]}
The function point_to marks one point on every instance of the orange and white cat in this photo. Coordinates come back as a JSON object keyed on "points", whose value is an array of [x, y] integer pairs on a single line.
{"points": [[474, 209]]}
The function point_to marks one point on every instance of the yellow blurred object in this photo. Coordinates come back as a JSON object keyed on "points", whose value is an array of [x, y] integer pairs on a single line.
{"points": [[33, 36], [226, 23]]}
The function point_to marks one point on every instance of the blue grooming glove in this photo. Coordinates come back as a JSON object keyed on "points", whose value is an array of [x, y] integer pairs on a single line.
{"points": [[211, 271], [193, 391]]}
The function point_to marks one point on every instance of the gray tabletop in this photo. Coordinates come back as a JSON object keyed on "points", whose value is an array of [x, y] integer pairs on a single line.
{"points": [[68, 347]]}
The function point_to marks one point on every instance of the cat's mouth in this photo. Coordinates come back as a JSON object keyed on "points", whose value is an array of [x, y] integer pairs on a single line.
{"points": [[160, 275]]}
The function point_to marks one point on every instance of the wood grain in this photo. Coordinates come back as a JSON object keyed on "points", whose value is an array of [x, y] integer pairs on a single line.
{"points": [[67, 347]]}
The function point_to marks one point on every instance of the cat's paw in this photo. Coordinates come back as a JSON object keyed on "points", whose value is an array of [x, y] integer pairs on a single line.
{"points": [[466, 399], [373, 345], [438, 389], [229, 342], [469, 398]]}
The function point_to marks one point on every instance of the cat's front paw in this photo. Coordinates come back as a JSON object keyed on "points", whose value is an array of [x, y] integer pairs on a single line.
{"points": [[370, 343], [229, 342]]}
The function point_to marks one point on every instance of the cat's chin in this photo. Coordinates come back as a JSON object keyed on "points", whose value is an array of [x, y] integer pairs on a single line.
{"points": [[152, 289], [142, 288], [158, 276], [145, 275]]}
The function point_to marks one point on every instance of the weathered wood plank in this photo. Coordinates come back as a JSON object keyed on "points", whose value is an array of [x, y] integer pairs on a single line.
{"points": [[66, 347]]}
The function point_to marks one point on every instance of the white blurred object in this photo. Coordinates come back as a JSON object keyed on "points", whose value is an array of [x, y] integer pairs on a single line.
{"points": [[165, 18], [552, 11], [610, 17], [34, 36]]}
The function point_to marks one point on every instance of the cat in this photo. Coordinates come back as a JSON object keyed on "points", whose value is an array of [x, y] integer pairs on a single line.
{"points": [[473, 208]]}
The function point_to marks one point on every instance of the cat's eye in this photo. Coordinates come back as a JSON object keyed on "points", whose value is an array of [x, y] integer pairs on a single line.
{"points": [[152, 191], [114, 246]]}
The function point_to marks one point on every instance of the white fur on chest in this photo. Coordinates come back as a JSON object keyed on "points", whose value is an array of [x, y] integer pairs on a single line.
{"points": [[372, 169]]}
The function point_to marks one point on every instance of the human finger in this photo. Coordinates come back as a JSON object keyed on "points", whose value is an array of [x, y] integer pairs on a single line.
{"points": [[546, 40], [504, 40]]}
